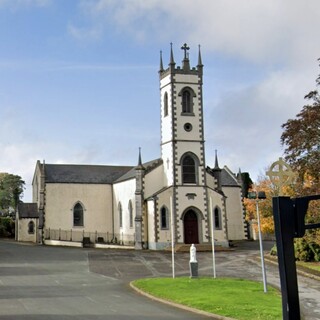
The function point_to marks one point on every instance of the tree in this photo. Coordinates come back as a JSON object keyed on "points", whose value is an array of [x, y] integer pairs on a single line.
{"points": [[11, 190], [246, 183], [265, 206], [301, 136]]}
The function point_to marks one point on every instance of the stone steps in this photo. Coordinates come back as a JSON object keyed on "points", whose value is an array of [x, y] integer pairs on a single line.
{"points": [[201, 247]]}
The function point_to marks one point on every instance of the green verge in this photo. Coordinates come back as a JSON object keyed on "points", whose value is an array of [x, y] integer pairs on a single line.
{"points": [[309, 265], [235, 298]]}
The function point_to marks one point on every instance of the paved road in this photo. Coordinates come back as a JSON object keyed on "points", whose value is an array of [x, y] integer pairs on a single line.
{"points": [[42, 282]]}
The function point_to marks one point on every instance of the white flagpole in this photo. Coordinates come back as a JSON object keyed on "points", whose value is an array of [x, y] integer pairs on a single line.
{"points": [[212, 239], [172, 237]]}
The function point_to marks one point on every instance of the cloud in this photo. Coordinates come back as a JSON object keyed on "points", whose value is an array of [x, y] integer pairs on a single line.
{"points": [[247, 122], [18, 4], [264, 32]]}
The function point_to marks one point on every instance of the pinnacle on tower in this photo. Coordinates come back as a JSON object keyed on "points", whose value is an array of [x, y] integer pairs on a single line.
{"points": [[140, 165], [216, 164], [172, 63], [217, 171], [161, 63], [200, 65]]}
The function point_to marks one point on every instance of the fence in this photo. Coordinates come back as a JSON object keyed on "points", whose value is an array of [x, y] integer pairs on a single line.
{"points": [[95, 236]]}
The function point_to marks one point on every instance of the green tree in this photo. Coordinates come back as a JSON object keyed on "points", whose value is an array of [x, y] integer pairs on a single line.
{"points": [[301, 138], [11, 190], [246, 183]]}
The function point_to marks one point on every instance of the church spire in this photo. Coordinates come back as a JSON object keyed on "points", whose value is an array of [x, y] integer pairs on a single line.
{"points": [[140, 165], [217, 171], [239, 176], [172, 63], [161, 63], [200, 65], [216, 164]]}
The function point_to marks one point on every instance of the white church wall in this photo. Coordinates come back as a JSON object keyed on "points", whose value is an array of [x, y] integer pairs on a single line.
{"points": [[151, 224], [167, 164], [166, 121], [235, 216], [123, 192], [163, 235], [216, 201], [154, 181], [96, 200], [23, 230], [211, 181], [36, 185]]}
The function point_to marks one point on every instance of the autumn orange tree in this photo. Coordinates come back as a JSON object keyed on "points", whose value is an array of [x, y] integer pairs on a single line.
{"points": [[265, 206], [301, 139]]}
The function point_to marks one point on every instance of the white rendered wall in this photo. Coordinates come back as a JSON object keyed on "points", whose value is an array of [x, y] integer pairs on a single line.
{"points": [[216, 201], [23, 227], [95, 198], [154, 181], [163, 235], [236, 230], [123, 192]]}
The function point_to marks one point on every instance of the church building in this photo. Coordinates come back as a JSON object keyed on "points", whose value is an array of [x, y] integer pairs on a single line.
{"points": [[145, 205]]}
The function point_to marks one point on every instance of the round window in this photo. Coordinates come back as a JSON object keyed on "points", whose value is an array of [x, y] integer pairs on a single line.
{"points": [[188, 126]]}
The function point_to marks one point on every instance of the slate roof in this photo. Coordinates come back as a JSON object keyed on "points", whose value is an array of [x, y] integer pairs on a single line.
{"points": [[132, 173], [28, 210], [228, 179], [95, 174]]}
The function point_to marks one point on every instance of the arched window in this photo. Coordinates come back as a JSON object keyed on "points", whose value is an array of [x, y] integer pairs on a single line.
{"points": [[165, 105], [130, 214], [31, 227], [78, 215], [164, 218], [189, 170], [187, 94], [186, 102], [217, 219], [120, 215]]}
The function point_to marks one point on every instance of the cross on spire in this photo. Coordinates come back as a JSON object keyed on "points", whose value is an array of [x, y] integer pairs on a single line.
{"points": [[185, 48]]}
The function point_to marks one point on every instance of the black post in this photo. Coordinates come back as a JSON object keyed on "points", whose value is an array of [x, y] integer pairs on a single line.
{"points": [[284, 223]]}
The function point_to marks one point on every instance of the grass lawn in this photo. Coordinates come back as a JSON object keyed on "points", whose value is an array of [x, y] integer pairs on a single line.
{"points": [[234, 298]]}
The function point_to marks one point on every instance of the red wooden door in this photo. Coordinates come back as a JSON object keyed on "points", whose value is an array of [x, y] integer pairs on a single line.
{"points": [[191, 227]]}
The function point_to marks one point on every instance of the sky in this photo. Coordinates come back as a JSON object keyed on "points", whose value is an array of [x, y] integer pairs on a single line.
{"points": [[79, 80]]}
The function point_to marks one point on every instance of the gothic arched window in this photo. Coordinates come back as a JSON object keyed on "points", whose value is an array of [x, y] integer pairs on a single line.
{"points": [[186, 102], [189, 169], [187, 94], [130, 214], [165, 105], [78, 215], [217, 219], [31, 227], [120, 215], [164, 218]]}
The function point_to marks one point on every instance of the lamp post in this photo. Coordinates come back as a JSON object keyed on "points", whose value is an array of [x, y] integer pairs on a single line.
{"points": [[261, 195]]}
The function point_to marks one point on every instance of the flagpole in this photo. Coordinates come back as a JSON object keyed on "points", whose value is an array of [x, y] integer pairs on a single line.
{"points": [[172, 236]]}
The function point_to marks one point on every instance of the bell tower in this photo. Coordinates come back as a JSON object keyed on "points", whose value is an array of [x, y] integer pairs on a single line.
{"points": [[181, 118], [182, 134]]}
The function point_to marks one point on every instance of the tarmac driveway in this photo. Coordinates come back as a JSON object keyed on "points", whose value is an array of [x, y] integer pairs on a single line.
{"points": [[51, 283], [42, 282]]}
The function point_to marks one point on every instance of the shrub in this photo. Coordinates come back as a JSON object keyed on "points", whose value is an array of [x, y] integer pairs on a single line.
{"points": [[7, 227], [306, 251]]}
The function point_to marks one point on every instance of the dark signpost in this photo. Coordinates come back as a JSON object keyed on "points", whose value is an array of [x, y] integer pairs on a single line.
{"points": [[289, 222]]}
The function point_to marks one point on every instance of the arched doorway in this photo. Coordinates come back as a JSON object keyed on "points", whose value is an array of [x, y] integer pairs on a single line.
{"points": [[190, 223]]}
